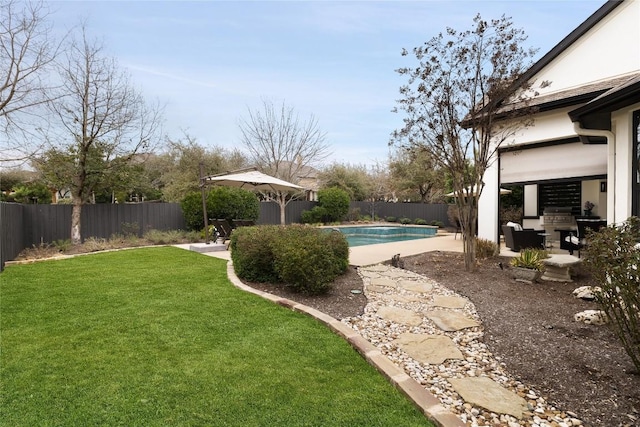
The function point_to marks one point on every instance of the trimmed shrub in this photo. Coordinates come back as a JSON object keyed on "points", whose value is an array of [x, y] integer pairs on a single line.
{"points": [[437, 223], [252, 254], [420, 221], [232, 203], [405, 221], [222, 202], [613, 257], [315, 216], [486, 249], [391, 219], [335, 203], [192, 210], [308, 259]]}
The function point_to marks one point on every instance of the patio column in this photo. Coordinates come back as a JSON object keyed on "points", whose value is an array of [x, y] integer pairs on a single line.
{"points": [[488, 205]]}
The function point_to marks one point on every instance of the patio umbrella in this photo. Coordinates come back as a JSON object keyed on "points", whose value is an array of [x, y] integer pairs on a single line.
{"points": [[252, 180], [471, 191]]}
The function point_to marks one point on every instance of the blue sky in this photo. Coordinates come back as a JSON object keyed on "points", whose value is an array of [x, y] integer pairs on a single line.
{"points": [[209, 61]]}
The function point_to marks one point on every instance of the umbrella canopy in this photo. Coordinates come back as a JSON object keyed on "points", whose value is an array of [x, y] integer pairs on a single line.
{"points": [[253, 180], [472, 191]]}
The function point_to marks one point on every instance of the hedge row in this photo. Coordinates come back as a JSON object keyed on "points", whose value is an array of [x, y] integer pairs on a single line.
{"points": [[307, 259]]}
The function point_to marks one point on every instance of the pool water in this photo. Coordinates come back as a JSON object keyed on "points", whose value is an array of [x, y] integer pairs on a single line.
{"points": [[360, 236]]}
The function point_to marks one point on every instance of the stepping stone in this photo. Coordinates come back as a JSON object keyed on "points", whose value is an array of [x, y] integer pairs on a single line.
{"points": [[400, 315], [378, 289], [449, 301], [485, 392], [451, 321], [413, 286], [405, 298], [378, 267], [383, 281], [398, 274], [428, 349], [369, 274]]}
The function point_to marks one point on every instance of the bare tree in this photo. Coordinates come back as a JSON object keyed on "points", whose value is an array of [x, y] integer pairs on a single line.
{"points": [[27, 52], [104, 121], [451, 103], [281, 145]]}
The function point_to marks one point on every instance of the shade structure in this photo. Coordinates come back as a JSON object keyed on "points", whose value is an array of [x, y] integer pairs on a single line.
{"points": [[253, 180], [472, 191]]}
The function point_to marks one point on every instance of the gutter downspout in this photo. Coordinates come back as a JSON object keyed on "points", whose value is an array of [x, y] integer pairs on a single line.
{"points": [[611, 143]]}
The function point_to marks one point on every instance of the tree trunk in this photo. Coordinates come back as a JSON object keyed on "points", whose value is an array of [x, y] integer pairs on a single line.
{"points": [[76, 236], [283, 207], [467, 216]]}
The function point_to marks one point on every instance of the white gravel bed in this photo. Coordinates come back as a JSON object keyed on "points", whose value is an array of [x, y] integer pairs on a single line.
{"points": [[478, 360]]}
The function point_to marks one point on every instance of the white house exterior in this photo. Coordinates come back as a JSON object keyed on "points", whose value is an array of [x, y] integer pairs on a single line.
{"points": [[583, 141]]}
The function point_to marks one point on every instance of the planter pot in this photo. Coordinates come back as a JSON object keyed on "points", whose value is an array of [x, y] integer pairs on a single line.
{"points": [[525, 275]]}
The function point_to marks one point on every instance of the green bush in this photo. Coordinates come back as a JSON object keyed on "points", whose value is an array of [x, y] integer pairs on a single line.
{"points": [[192, 210], [420, 221], [405, 220], [391, 219], [252, 253], [335, 202], [315, 216], [437, 223], [232, 203], [222, 202], [486, 249], [613, 257], [306, 258], [365, 218]]}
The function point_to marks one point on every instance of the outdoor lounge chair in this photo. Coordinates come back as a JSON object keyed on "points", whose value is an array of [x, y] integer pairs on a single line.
{"points": [[516, 240], [223, 228]]}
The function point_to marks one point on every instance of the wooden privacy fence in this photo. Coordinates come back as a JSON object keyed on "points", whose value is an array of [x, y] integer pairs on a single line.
{"points": [[23, 226]]}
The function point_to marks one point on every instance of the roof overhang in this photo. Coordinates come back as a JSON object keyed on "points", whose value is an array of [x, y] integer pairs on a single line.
{"points": [[596, 114]]}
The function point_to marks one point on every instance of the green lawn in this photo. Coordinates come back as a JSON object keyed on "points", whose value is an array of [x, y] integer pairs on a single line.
{"points": [[158, 336]]}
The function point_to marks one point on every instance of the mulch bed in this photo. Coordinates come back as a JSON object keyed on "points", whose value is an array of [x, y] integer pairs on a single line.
{"points": [[577, 367]]}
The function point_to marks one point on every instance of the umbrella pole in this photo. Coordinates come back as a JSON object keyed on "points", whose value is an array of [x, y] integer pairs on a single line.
{"points": [[204, 205]]}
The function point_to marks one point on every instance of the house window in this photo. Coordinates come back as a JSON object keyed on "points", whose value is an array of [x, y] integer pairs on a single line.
{"points": [[636, 165], [560, 194]]}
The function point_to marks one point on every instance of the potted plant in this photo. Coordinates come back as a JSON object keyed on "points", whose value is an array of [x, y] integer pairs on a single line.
{"points": [[528, 266], [588, 207]]}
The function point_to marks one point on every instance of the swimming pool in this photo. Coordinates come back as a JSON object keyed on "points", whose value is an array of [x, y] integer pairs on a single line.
{"points": [[371, 235]]}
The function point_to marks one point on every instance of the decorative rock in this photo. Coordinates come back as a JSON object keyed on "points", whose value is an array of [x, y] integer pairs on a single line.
{"points": [[400, 315], [429, 349], [591, 317], [451, 321], [490, 395], [477, 361], [587, 292], [449, 301]]}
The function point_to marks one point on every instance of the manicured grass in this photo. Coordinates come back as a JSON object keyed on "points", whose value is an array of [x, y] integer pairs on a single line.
{"points": [[158, 336]]}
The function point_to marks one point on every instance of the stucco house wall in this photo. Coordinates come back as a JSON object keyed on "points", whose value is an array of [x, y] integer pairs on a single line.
{"points": [[601, 54]]}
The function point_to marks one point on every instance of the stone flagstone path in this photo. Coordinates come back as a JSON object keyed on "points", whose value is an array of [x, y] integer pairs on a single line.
{"points": [[436, 336]]}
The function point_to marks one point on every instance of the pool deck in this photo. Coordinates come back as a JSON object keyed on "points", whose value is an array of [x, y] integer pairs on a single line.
{"points": [[374, 254]]}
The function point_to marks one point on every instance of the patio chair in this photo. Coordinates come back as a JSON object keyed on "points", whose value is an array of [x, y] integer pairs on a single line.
{"points": [[223, 228], [577, 240], [516, 240]]}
